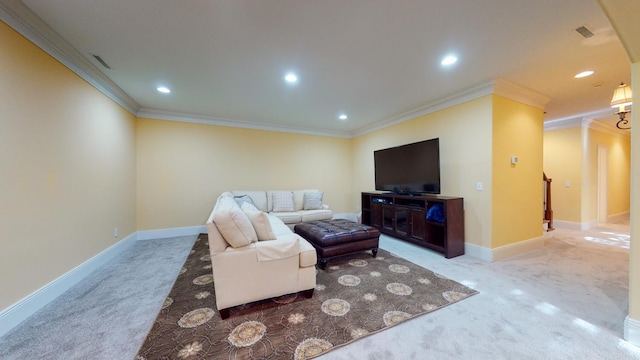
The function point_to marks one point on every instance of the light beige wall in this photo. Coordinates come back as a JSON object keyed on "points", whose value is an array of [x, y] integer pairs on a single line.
{"points": [[618, 158], [517, 188], [183, 167], [465, 133], [68, 169], [562, 163], [619, 192]]}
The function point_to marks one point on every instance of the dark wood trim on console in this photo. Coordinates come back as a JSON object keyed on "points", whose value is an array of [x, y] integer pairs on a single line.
{"points": [[412, 218]]}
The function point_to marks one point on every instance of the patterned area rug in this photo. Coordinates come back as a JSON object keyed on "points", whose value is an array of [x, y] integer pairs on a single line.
{"points": [[357, 295]]}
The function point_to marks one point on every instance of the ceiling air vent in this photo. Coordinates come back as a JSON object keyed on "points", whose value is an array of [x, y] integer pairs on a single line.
{"points": [[586, 33], [99, 59]]}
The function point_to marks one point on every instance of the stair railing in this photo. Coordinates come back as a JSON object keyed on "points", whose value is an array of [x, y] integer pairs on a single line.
{"points": [[548, 211]]}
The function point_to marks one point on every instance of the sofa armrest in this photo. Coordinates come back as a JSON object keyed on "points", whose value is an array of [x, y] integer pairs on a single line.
{"points": [[283, 247]]}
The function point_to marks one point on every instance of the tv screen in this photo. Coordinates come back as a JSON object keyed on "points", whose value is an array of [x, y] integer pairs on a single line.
{"points": [[409, 169]]}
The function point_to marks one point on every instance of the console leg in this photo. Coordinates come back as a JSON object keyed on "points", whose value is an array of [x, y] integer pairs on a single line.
{"points": [[374, 252]]}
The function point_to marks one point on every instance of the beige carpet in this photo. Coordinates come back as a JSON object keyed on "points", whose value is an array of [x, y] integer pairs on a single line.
{"points": [[356, 296]]}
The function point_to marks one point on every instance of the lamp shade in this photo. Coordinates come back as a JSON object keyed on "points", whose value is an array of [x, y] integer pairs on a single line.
{"points": [[621, 96]]}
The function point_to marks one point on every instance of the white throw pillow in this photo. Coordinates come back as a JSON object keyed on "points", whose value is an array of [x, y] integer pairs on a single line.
{"points": [[242, 199], [246, 207], [283, 201], [234, 224], [313, 200], [260, 222]]}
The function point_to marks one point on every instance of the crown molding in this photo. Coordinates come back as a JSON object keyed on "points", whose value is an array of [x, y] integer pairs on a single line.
{"points": [[587, 120], [513, 91], [564, 123], [501, 87], [607, 129], [472, 93], [18, 16], [207, 120]]}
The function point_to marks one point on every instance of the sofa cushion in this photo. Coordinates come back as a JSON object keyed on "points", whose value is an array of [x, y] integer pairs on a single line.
{"points": [[260, 222], [284, 247], [283, 201], [312, 200], [233, 223], [315, 215], [289, 217], [278, 226]]}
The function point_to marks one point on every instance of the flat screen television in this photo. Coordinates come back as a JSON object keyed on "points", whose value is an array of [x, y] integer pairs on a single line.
{"points": [[409, 169]]}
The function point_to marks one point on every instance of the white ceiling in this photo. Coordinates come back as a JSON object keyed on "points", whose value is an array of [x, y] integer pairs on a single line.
{"points": [[375, 60]]}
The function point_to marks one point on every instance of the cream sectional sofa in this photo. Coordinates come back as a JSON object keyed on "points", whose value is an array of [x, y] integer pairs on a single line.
{"points": [[306, 204], [255, 256]]}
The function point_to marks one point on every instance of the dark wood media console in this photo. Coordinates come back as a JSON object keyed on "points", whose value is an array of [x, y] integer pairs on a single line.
{"points": [[412, 218]]}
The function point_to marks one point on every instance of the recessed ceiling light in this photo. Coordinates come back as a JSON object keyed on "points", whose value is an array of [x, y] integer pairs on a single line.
{"points": [[342, 117], [584, 74], [291, 78], [449, 60], [163, 89]]}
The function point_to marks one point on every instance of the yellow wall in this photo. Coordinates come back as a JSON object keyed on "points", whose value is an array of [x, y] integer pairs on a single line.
{"points": [[465, 158], [562, 163], [183, 167], [619, 192], [618, 158], [572, 155], [68, 169], [517, 189]]}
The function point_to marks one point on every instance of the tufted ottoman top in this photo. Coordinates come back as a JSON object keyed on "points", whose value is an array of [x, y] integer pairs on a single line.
{"points": [[335, 232]]}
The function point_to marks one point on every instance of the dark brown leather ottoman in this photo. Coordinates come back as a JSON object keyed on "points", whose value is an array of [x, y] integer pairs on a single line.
{"points": [[338, 237]]}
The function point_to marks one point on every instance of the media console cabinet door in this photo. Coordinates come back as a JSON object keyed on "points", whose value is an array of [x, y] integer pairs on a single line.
{"points": [[417, 224]]}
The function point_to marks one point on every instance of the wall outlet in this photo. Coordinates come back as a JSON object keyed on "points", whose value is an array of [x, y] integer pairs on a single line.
{"points": [[115, 232], [479, 186]]}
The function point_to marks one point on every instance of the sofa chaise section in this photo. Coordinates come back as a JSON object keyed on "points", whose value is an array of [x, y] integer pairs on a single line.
{"points": [[246, 269]]}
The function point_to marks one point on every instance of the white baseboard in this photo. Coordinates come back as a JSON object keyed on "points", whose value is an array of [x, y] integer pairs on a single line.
{"points": [[20, 311], [632, 331], [618, 217], [478, 252], [518, 248], [504, 252], [171, 232], [570, 225]]}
